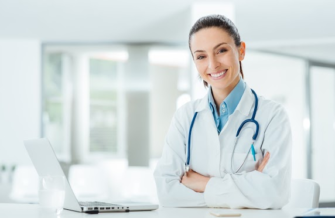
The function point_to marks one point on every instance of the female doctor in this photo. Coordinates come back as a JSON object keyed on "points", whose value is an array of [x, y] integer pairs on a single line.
{"points": [[231, 148]]}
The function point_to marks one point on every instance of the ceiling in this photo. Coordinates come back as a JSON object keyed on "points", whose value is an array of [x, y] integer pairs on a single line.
{"points": [[299, 28]]}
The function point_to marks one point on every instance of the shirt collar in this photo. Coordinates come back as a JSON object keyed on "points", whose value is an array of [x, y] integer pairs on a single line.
{"points": [[244, 105], [211, 101], [231, 100], [235, 96]]}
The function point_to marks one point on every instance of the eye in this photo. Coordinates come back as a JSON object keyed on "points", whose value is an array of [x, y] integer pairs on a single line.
{"points": [[200, 57], [222, 50]]}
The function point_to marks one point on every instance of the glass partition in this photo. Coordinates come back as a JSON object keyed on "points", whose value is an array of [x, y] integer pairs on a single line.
{"points": [[322, 80]]}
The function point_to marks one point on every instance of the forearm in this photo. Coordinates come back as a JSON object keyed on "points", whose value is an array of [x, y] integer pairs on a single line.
{"points": [[195, 181], [172, 193]]}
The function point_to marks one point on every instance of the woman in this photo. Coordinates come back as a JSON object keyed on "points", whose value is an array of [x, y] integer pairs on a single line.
{"points": [[225, 170]]}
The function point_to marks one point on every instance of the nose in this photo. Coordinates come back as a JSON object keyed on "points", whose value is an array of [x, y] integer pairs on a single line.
{"points": [[213, 63]]}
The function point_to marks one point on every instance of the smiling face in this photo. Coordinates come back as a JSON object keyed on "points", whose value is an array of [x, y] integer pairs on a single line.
{"points": [[216, 58]]}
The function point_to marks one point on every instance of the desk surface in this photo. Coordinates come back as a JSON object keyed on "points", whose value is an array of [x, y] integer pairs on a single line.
{"points": [[34, 211]]}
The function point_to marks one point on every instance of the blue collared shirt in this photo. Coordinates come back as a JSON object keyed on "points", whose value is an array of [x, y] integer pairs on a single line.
{"points": [[228, 106]]}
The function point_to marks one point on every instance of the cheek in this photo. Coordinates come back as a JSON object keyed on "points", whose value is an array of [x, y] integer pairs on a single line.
{"points": [[236, 58], [232, 63], [229, 60], [201, 66]]}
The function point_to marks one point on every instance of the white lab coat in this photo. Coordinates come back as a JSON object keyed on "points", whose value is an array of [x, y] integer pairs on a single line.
{"points": [[211, 156]]}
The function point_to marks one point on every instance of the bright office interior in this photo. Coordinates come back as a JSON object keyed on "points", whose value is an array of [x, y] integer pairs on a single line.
{"points": [[101, 80]]}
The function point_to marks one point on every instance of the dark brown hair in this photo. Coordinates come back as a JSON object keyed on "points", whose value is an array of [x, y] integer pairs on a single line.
{"points": [[219, 21]]}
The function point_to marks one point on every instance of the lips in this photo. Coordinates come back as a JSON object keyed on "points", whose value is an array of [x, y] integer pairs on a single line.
{"points": [[219, 75]]}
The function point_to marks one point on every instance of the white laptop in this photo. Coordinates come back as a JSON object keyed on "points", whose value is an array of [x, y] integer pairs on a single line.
{"points": [[46, 163]]}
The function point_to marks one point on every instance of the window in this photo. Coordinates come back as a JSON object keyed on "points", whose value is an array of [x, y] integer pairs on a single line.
{"points": [[53, 119], [81, 102], [103, 106]]}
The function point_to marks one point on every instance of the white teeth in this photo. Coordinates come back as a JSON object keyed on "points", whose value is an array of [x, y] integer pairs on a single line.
{"points": [[218, 74]]}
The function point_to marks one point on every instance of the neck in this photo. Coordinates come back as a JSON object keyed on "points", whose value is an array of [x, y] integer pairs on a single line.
{"points": [[220, 95]]}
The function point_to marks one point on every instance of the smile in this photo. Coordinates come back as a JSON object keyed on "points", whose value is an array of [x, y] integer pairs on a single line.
{"points": [[219, 75]]}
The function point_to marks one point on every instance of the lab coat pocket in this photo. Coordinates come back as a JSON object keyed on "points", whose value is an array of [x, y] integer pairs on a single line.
{"points": [[258, 156]]}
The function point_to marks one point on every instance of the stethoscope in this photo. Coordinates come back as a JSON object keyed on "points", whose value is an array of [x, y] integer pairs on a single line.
{"points": [[252, 148]]}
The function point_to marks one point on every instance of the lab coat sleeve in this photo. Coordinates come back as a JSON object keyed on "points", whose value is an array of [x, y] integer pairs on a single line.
{"points": [[269, 189], [170, 169]]}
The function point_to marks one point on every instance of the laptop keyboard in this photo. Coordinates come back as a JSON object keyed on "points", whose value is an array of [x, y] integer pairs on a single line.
{"points": [[96, 204]]}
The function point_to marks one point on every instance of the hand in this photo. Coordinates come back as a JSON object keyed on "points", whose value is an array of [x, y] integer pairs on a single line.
{"points": [[195, 181], [264, 162]]}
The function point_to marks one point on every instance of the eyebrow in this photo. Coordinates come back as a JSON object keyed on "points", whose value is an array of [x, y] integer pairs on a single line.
{"points": [[218, 45]]}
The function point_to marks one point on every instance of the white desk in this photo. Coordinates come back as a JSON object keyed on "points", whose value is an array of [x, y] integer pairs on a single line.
{"points": [[34, 211]]}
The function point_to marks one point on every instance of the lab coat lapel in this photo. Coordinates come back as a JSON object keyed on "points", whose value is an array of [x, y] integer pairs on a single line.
{"points": [[243, 108], [246, 102], [242, 112], [209, 130], [228, 134]]}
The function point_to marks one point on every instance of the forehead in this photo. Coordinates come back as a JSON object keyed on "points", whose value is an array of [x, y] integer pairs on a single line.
{"points": [[208, 38]]}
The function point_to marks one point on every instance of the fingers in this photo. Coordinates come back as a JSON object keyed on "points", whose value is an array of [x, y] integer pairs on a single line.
{"points": [[264, 162], [184, 178]]}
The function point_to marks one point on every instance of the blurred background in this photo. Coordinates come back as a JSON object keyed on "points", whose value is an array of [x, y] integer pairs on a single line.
{"points": [[102, 79]]}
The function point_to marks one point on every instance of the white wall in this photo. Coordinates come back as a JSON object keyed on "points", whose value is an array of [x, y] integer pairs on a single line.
{"points": [[20, 97]]}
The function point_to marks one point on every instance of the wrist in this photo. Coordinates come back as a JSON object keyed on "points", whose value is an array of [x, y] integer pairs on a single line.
{"points": [[204, 183]]}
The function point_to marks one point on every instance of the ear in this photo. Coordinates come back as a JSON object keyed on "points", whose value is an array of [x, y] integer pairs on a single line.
{"points": [[241, 52]]}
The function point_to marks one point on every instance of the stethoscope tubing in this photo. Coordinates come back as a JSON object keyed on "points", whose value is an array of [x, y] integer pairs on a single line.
{"points": [[254, 137], [189, 142]]}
